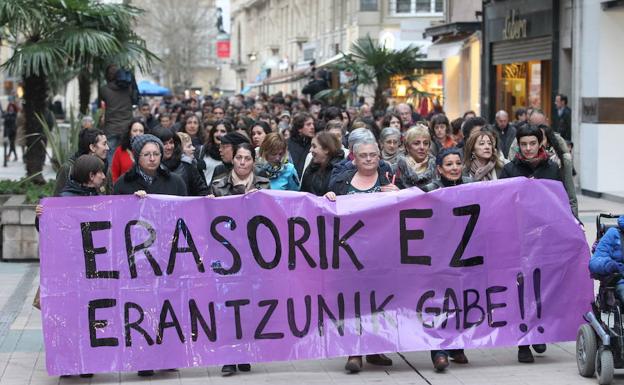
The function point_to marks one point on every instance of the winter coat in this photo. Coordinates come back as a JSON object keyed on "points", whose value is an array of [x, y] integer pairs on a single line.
{"points": [[442, 182], [193, 179], [343, 181], [122, 162], [75, 189], [165, 183], [547, 169], [608, 256], [298, 148], [284, 178], [563, 123], [62, 176], [220, 171], [347, 165], [407, 177], [118, 112], [223, 186], [316, 179], [505, 139]]}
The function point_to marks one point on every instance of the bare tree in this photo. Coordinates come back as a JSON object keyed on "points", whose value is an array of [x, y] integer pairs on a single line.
{"points": [[182, 34]]}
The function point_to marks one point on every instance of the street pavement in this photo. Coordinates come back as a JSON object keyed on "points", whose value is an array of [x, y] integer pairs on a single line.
{"points": [[22, 356]]}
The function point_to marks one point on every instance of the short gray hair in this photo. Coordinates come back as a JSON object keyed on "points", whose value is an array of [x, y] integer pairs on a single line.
{"points": [[502, 113], [388, 132], [364, 142], [358, 135]]}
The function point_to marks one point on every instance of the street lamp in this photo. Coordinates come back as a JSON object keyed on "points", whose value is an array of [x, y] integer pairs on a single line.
{"points": [[252, 56]]}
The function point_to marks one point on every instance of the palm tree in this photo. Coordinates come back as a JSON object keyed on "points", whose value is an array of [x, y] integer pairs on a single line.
{"points": [[375, 65], [49, 36]]}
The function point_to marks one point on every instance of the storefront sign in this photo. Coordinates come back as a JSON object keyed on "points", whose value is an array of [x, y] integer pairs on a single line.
{"points": [[223, 49], [172, 282], [514, 28], [602, 110]]}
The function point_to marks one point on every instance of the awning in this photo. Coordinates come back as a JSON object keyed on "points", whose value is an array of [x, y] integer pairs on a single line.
{"points": [[447, 46], [330, 61], [287, 77], [248, 87], [148, 88]]}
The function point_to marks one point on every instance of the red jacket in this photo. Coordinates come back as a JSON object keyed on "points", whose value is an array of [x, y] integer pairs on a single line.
{"points": [[122, 162]]}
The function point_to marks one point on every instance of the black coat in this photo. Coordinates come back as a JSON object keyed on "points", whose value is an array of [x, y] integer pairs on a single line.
{"points": [[75, 189], [314, 87], [343, 181], [193, 179], [298, 149], [347, 164], [220, 171], [505, 139], [563, 123], [546, 169], [316, 179], [165, 183]]}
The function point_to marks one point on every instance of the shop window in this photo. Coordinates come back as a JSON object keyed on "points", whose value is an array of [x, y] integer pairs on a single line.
{"points": [[403, 6], [523, 85], [368, 5]]}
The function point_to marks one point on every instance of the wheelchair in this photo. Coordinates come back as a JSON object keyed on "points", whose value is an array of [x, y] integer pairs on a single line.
{"points": [[600, 342]]}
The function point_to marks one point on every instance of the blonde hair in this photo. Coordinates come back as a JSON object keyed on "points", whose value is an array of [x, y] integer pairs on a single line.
{"points": [[470, 145], [184, 138], [416, 131]]}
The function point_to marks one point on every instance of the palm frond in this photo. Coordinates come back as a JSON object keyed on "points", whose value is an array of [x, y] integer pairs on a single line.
{"points": [[35, 58], [82, 44]]}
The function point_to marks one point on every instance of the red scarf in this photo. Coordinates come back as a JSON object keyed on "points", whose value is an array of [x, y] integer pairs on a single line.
{"points": [[534, 162]]}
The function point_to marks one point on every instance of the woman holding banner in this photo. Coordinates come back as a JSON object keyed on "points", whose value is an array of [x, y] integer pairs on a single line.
{"points": [[239, 181], [366, 177], [482, 162], [531, 162], [326, 152], [449, 167], [417, 167]]}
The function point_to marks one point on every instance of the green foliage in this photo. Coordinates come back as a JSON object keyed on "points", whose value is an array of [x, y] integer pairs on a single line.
{"points": [[371, 64], [33, 191]]}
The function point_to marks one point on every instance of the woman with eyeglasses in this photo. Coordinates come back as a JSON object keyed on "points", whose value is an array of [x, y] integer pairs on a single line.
{"points": [[148, 174], [366, 177]]}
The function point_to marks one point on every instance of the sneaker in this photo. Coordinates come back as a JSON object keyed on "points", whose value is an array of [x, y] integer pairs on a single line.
{"points": [[379, 359], [440, 362], [525, 355], [228, 370], [244, 367], [354, 364], [539, 348]]}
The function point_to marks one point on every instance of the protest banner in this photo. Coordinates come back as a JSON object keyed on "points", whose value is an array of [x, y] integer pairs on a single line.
{"points": [[170, 282]]}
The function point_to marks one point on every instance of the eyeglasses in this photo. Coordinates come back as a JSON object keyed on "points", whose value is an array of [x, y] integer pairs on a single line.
{"points": [[150, 154], [371, 155]]}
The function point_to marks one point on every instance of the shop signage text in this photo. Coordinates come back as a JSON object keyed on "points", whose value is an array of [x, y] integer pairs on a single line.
{"points": [[514, 28]]}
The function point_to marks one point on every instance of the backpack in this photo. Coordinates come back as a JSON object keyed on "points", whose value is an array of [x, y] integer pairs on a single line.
{"points": [[124, 79]]}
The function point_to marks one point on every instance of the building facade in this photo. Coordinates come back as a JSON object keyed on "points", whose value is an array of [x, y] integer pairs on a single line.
{"points": [[274, 42]]}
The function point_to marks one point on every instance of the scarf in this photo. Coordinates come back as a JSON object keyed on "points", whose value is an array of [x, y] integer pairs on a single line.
{"points": [[535, 162], [247, 183], [148, 179], [482, 170], [418, 168], [390, 158]]}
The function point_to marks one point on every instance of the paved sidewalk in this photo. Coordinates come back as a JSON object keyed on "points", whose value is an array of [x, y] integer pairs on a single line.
{"points": [[16, 170]]}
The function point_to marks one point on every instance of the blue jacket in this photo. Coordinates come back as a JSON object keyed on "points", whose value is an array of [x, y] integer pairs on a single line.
{"points": [[284, 178], [608, 256]]}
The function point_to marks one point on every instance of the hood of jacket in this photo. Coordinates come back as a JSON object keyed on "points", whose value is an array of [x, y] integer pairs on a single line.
{"points": [[74, 188]]}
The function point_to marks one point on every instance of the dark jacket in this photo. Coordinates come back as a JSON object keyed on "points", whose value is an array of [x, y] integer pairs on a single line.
{"points": [[505, 139], [442, 182], [75, 189], [347, 164], [62, 177], [314, 87], [118, 113], [165, 183], [298, 148], [343, 181], [193, 179], [223, 186], [221, 170], [316, 179], [546, 169], [407, 177], [563, 123]]}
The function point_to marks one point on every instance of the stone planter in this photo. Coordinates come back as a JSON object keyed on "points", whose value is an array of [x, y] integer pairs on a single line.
{"points": [[20, 240]]}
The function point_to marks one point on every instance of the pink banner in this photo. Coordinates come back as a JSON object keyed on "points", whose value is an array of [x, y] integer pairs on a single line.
{"points": [[168, 282]]}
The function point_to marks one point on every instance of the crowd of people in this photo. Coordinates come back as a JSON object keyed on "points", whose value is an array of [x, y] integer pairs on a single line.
{"points": [[237, 145]]}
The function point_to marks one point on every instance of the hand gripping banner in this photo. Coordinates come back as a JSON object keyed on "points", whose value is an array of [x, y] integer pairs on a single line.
{"points": [[169, 282]]}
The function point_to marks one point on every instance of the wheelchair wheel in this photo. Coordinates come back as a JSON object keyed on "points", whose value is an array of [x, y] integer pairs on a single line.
{"points": [[604, 366], [586, 348]]}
